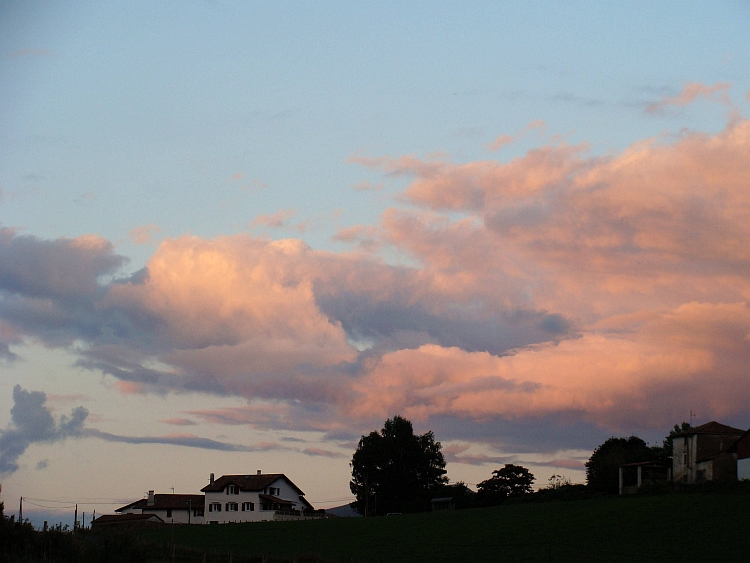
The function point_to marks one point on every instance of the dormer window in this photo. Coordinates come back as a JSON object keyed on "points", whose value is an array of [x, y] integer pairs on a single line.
{"points": [[233, 490]]}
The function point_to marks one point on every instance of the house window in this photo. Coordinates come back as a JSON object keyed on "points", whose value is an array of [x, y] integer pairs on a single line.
{"points": [[169, 512], [248, 507], [199, 511], [233, 490], [273, 491], [214, 507], [231, 507]]}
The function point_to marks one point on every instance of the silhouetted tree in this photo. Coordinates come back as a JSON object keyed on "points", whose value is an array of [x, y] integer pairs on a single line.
{"points": [[602, 468], [395, 470], [510, 481]]}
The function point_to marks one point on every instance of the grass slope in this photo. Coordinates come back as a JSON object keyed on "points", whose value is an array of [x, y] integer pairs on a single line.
{"points": [[671, 527]]}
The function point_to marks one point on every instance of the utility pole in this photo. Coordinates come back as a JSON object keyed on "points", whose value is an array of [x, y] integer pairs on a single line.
{"points": [[20, 511], [75, 518]]}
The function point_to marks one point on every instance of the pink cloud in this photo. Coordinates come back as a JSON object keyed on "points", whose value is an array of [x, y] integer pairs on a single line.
{"points": [[472, 186], [143, 234], [368, 186], [500, 142], [274, 220], [504, 140], [696, 354], [718, 92], [234, 307], [611, 290], [130, 387]]}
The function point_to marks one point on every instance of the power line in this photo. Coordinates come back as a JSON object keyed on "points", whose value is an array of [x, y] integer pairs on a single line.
{"points": [[115, 501], [45, 506]]}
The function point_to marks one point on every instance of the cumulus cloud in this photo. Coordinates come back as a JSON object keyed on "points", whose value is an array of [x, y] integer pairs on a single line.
{"points": [[591, 294], [639, 378], [32, 422]]}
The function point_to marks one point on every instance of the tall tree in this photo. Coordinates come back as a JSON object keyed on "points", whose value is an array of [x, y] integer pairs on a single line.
{"points": [[510, 481], [602, 468], [395, 470]]}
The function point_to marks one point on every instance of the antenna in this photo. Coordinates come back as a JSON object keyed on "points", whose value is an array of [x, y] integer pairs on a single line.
{"points": [[172, 489], [692, 416]]}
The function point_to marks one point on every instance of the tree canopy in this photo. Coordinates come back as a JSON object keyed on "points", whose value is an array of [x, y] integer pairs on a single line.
{"points": [[602, 468], [510, 481], [395, 470]]}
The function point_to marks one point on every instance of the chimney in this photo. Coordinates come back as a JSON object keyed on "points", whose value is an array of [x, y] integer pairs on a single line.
{"points": [[211, 479], [258, 473], [150, 501]]}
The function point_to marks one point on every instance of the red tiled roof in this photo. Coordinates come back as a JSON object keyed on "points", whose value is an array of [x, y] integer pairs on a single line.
{"points": [[712, 427], [167, 501], [248, 483]]}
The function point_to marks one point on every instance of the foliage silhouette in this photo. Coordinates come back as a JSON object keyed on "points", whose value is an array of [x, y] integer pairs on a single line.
{"points": [[602, 468], [396, 471], [509, 481]]}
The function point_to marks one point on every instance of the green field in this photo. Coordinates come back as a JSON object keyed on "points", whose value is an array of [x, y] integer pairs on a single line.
{"points": [[699, 527]]}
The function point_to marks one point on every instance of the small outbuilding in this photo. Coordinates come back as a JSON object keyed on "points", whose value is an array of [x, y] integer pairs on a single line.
{"points": [[126, 521], [171, 508], [443, 503], [634, 476]]}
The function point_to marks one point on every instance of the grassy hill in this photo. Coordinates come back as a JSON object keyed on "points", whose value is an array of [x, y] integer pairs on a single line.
{"points": [[682, 527]]}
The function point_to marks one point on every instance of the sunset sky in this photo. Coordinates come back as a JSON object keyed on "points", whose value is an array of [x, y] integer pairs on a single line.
{"points": [[238, 236]]}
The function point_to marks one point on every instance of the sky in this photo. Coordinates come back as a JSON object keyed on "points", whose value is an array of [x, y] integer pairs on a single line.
{"points": [[238, 236]]}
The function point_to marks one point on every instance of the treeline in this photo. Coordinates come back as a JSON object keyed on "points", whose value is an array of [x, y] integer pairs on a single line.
{"points": [[395, 471]]}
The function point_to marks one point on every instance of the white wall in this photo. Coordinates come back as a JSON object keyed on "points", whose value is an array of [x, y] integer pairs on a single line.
{"points": [[743, 468], [286, 492]]}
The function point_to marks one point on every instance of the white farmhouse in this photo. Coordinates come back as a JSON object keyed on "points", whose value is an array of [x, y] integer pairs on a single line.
{"points": [[253, 498], [174, 508]]}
